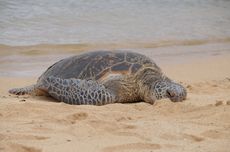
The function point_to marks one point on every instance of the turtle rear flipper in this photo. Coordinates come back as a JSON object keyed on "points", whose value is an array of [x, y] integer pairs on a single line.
{"points": [[25, 90]]}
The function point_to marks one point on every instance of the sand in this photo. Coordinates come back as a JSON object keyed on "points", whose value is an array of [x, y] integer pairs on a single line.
{"points": [[201, 123]]}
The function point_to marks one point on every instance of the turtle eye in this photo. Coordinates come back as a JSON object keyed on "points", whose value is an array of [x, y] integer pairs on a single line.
{"points": [[170, 93]]}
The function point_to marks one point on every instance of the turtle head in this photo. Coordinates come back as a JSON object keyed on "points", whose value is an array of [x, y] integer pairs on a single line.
{"points": [[168, 89]]}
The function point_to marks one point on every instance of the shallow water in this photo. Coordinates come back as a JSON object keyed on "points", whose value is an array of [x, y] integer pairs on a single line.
{"points": [[27, 62], [26, 22]]}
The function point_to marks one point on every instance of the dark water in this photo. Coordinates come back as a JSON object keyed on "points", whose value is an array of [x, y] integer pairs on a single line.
{"points": [[26, 22]]}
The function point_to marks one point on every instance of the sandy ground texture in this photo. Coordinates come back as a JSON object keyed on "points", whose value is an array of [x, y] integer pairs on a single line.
{"points": [[201, 123]]}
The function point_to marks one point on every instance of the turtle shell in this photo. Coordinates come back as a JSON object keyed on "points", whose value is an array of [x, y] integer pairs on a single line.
{"points": [[95, 65]]}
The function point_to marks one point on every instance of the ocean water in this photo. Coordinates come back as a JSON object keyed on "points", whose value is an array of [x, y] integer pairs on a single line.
{"points": [[29, 22]]}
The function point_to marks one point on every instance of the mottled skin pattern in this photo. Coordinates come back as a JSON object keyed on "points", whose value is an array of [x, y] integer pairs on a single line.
{"points": [[104, 77], [172, 90], [76, 91]]}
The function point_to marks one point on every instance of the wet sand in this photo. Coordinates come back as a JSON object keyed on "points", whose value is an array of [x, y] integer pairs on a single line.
{"points": [[201, 123]]}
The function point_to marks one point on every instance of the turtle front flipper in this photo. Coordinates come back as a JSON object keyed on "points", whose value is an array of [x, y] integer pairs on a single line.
{"points": [[22, 91], [77, 91]]}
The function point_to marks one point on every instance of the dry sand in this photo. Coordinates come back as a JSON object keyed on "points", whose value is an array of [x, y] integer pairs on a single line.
{"points": [[201, 123]]}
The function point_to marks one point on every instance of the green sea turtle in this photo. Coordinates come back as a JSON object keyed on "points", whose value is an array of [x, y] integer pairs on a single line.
{"points": [[104, 77]]}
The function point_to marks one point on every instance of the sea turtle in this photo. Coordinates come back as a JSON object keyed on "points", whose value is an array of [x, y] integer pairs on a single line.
{"points": [[104, 77]]}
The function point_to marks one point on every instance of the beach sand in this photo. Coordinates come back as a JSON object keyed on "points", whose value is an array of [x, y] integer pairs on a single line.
{"points": [[200, 123]]}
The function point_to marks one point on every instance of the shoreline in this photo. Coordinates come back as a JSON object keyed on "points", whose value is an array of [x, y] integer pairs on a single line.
{"points": [[38, 49], [33, 60]]}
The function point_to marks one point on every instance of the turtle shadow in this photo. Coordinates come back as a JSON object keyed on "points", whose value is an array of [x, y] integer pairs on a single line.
{"points": [[46, 99]]}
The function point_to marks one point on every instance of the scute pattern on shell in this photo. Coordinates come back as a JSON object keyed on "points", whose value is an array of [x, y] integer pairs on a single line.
{"points": [[94, 65]]}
